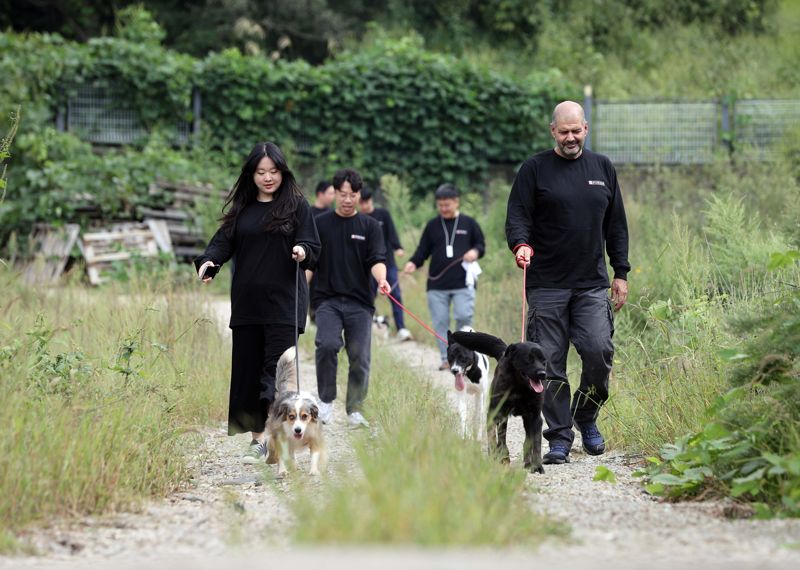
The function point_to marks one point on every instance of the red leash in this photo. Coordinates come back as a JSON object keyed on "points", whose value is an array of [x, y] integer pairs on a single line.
{"points": [[524, 299], [416, 318]]}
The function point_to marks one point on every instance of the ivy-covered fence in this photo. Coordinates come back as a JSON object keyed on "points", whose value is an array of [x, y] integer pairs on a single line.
{"points": [[394, 109]]}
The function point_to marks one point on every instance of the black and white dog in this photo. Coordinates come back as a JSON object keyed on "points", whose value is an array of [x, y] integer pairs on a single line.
{"points": [[471, 373], [517, 389]]}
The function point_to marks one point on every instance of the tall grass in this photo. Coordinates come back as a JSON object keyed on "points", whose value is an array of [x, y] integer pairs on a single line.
{"points": [[100, 389], [420, 483]]}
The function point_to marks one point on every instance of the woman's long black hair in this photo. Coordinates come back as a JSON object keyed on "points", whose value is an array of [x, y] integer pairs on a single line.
{"points": [[286, 198]]}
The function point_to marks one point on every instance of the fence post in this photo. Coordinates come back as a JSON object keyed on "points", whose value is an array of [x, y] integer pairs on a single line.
{"points": [[197, 110], [727, 133], [587, 109], [61, 121]]}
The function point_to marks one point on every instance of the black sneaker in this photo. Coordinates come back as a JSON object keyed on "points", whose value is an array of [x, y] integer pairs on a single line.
{"points": [[558, 454], [255, 453], [592, 439]]}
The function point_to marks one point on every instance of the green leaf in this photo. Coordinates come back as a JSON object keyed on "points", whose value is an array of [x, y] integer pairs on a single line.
{"points": [[603, 473], [668, 479]]}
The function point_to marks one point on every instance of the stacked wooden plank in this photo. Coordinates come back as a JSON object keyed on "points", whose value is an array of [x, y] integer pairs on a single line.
{"points": [[122, 243], [51, 249], [179, 214]]}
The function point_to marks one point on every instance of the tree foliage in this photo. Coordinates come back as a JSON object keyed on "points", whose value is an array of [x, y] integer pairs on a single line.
{"points": [[314, 29]]}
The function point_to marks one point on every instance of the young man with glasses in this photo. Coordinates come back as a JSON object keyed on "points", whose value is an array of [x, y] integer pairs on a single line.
{"points": [[353, 250]]}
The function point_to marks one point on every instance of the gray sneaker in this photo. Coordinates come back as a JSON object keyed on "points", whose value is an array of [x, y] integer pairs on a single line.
{"points": [[326, 412], [356, 420], [256, 453]]}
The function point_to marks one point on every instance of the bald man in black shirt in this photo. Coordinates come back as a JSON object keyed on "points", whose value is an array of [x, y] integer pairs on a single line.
{"points": [[565, 204]]}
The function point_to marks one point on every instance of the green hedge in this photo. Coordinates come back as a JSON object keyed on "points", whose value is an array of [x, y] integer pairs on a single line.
{"points": [[392, 109]]}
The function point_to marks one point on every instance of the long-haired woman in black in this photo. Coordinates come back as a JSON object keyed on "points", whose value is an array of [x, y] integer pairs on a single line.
{"points": [[266, 230]]}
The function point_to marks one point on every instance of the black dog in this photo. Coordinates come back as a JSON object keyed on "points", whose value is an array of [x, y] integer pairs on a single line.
{"points": [[517, 389]]}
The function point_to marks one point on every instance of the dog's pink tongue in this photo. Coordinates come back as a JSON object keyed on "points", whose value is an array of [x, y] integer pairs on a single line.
{"points": [[536, 385], [459, 382]]}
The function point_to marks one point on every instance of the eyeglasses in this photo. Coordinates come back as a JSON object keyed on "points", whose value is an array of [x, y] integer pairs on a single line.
{"points": [[347, 195]]}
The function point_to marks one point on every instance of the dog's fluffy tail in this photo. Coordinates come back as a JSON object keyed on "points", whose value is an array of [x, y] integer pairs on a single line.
{"points": [[481, 342], [286, 372]]}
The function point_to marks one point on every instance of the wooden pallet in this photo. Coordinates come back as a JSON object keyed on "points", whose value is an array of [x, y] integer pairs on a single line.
{"points": [[122, 242], [188, 239], [51, 247]]}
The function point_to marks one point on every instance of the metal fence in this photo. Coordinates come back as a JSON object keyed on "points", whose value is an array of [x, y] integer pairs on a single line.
{"points": [[629, 132], [760, 124], [95, 115], [689, 132]]}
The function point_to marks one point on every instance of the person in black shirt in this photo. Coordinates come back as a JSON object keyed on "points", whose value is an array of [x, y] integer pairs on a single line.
{"points": [[565, 204], [323, 198], [344, 301], [454, 242], [266, 230], [393, 247]]}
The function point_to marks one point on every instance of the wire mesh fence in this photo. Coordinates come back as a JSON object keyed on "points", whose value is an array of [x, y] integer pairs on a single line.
{"points": [[691, 132], [761, 124], [100, 118], [654, 132]]}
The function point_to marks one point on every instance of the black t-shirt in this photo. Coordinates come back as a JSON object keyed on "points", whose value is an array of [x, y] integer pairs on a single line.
{"points": [[264, 273], [447, 272], [319, 211], [350, 247], [568, 210], [390, 238]]}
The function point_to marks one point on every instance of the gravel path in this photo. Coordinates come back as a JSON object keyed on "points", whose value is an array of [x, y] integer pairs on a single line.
{"points": [[620, 521], [228, 507]]}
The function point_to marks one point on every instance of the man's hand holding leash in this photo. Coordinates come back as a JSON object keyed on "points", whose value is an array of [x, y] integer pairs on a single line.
{"points": [[384, 287], [523, 255]]}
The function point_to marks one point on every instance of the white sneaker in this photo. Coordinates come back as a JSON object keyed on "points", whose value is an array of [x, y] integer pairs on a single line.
{"points": [[403, 334], [356, 420], [255, 453], [325, 412]]}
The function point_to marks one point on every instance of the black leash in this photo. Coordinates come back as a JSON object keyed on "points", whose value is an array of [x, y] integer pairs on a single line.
{"points": [[296, 332]]}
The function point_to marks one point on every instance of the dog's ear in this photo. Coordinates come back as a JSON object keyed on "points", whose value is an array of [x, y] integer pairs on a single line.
{"points": [[510, 349], [283, 410], [314, 410], [449, 337]]}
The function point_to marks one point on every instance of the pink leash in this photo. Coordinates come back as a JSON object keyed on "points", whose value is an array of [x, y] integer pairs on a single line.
{"points": [[416, 318]]}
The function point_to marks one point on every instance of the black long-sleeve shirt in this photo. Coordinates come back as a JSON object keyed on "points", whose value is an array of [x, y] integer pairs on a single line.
{"points": [[447, 272], [568, 210], [263, 284], [390, 238], [350, 247]]}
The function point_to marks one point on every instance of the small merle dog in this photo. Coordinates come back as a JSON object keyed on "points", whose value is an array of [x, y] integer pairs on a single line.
{"points": [[517, 389]]}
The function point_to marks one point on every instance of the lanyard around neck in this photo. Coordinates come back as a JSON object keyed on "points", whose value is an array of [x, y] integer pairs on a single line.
{"points": [[448, 239]]}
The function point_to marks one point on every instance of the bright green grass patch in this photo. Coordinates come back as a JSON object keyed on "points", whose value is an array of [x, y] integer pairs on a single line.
{"points": [[420, 483], [99, 389]]}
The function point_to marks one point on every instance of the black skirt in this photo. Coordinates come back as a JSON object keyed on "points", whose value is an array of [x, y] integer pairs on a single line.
{"points": [[255, 354]]}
